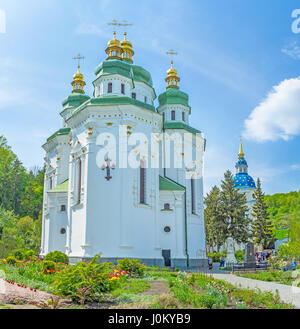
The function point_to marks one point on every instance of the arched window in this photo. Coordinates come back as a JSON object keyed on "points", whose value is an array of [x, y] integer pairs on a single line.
{"points": [[116, 53], [193, 196], [79, 181], [50, 183], [142, 182], [109, 88], [172, 115], [122, 88], [183, 116], [133, 95]]}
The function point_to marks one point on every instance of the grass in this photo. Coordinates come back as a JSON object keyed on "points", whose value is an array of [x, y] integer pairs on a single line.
{"points": [[5, 307], [30, 277], [187, 290], [272, 276], [132, 286]]}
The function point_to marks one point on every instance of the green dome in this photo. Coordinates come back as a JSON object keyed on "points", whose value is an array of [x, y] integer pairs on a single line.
{"points": [[173, 96], [74, 100], [114, 66]]}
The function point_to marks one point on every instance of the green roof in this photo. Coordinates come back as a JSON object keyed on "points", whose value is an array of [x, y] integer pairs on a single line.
{"points": [[61, 188], [62, 131], [180, 125], [115, 66], [173, 96], [75, 99], [114, 100], [166, 184]]}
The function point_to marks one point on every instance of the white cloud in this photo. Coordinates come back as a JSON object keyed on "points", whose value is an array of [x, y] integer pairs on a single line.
{"points": [[295, 167], [278, 115], [292, 50]]}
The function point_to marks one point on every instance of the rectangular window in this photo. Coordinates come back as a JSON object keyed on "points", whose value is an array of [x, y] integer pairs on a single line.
{"points": [[122, 88], [193, 196], [183, 117], [62, 208], [142, 182], [50, 183], [109, 88], [172, 115], [133, 95], [145, 99]]}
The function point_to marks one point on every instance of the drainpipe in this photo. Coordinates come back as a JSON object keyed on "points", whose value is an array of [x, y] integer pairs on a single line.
{"points": [[185, 211]]}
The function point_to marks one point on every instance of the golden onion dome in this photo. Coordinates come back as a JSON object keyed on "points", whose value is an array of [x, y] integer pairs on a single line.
{"points": [[172, 71], [78, 75], [114, 42], [125, 43]]}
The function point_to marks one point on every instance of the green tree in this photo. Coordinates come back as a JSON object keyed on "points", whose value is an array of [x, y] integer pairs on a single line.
{"points": [[33, 196], [20, 191], [215, 225], [235, 210], [262, 226]]}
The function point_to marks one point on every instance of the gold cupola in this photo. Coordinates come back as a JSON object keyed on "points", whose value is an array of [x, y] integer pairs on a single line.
{"points": [[172, 79], [241, 152], [78, 82], [114, 49], [127, 49]]}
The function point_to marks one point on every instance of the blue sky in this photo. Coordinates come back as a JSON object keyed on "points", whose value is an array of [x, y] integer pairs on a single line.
{"points": [[238, 61]]}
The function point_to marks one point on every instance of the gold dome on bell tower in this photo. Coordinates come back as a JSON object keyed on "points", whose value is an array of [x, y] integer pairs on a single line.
{"points": [[114, 49], [172, 79], [78, 82], [127, 49]]}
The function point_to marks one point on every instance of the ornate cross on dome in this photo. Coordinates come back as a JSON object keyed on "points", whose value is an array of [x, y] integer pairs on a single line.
{"points": [[108, 166], [78, 57], [116, 23], [171, 52]]}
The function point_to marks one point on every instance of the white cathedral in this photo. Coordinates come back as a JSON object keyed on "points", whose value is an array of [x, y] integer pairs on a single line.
{"points": [[153, 214]]}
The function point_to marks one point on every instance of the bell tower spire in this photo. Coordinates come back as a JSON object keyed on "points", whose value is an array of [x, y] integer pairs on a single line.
{"points": [[241, 152], [172, 79], [78, 82]]}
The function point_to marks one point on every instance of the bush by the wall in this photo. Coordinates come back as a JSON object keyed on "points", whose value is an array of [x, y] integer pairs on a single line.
{"points": [[57, 257], [133, 267]]}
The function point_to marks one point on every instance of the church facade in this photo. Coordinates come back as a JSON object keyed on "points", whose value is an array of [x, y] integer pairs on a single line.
{"points": [[93, 205]]}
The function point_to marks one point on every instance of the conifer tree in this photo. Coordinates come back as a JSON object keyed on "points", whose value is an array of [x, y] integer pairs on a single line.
{"points": [[262, 226], [235, 210], [214, 220]]}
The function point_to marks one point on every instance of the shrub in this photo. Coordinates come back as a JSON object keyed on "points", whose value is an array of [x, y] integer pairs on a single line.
{"points": [[133, 267], [204, 300], [10, 260], [48, 266], [165, 302], [28, 254], [240, 255], [216, 257], [19, 254], [57, 257], [83, 281]]}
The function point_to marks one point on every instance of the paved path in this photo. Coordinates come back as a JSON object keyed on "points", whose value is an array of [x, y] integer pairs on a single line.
{"points": [[288, 294]]}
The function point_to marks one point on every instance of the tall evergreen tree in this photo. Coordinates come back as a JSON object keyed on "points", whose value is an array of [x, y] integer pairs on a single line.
{"points": [[214, 220], [235, 210], [262, 226]]}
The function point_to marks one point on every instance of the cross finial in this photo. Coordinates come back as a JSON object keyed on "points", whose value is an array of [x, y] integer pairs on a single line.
{"points": [[78, 57], [116, 23], [171, 52]]}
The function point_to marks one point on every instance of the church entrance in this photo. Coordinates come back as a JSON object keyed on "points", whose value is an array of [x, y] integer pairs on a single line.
{"points": [[166, 253]]}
